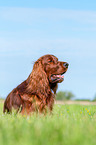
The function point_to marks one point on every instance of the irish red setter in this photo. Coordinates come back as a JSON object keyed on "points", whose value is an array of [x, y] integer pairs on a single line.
{"points": [[36, 93]]}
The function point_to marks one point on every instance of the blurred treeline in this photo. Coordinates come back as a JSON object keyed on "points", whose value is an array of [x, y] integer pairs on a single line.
{"points": [[68, 95]]}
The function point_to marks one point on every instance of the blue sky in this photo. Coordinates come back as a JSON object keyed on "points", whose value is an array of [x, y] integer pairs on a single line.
{"points": [[30, 29]]}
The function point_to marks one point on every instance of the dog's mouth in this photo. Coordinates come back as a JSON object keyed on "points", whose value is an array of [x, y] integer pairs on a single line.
{"points": [[57, 78]]}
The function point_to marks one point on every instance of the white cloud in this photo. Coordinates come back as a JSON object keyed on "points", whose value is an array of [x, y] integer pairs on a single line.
{"points": [[76, 47], [28, 15], [29, 40]]}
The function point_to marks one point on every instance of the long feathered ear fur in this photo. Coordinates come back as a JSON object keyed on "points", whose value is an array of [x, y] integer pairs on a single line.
{"points": [[38, 81]]}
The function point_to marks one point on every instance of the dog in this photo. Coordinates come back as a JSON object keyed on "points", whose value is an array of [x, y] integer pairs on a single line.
{"points": [[37, 92]]}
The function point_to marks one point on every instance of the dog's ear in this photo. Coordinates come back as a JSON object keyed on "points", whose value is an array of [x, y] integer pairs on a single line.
{"points": [[38, 81], [38, 71]]}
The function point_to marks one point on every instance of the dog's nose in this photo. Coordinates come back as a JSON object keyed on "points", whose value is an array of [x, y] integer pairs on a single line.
{"points": [[66, 64]]}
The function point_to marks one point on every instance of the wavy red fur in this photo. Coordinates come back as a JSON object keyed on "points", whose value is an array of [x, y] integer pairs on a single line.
{"points": [[35, 93]]}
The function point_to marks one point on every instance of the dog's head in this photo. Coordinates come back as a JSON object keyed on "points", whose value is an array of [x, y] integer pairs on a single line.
{"points": [[54, 68]]}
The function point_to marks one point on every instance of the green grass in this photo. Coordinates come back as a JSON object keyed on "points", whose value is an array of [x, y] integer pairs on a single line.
{"points": [[68, 125]]}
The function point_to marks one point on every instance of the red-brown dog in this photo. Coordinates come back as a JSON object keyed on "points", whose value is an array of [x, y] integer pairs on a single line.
{"points": [[35, 93]]}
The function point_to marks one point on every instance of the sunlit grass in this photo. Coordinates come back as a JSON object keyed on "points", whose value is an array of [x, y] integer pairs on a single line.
{"points": [[68, 125]]}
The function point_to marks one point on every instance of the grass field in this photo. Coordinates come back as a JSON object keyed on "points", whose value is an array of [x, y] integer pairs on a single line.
{"points": [[68, 125]]}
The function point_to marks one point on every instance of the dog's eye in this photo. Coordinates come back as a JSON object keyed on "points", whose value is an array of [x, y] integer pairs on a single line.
{"points": [[50, 60]]}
